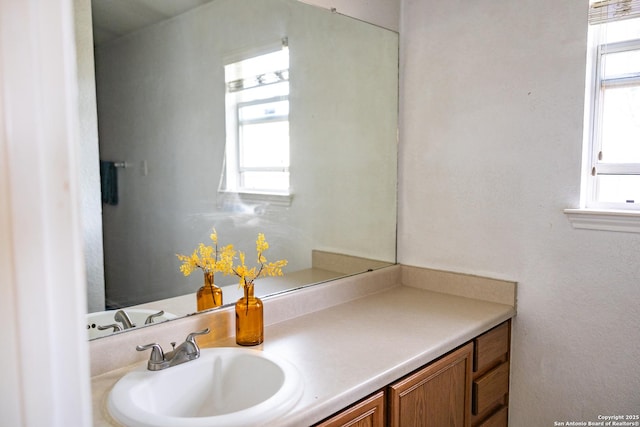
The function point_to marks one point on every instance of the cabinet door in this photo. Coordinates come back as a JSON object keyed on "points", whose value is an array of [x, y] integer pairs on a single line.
{"points": [[367, 413], [437, 395]]}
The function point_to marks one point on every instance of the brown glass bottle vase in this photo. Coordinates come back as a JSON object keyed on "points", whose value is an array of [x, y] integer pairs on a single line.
{"points": [[209, 295], [249, 318]]}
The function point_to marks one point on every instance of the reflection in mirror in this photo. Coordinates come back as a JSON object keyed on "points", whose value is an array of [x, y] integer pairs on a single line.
{"points": [[303, 152]]}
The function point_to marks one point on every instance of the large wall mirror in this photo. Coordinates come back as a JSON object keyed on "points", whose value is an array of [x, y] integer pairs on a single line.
{"points": [[168, 125]]}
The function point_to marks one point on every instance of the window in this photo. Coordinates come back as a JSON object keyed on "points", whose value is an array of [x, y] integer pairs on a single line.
{"points": [[611, 185], [257, 124], [613, 101]]}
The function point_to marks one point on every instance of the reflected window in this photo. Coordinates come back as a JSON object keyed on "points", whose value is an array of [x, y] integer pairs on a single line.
{"points": [[257, 110]]}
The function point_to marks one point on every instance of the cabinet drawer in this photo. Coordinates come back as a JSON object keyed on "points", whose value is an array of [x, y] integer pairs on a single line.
{"points": [[498, 419], [490, 388], [491, 348]]}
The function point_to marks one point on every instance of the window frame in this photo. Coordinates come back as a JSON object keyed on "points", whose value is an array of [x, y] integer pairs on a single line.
{"points": [[231, 191], [597, 165], [240, 169], [593, 214]]}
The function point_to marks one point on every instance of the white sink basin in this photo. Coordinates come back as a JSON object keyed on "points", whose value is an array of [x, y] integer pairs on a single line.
{"points": [[224, 387], [137, 315]]}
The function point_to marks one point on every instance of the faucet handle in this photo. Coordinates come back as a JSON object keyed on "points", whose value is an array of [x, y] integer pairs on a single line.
{"points": [[114, 327], [191, 339], [192, 335], [157, 355], [153, 316]]}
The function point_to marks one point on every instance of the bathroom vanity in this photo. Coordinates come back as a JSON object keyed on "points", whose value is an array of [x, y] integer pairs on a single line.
{"points": [[468, 386], [373, 349]]}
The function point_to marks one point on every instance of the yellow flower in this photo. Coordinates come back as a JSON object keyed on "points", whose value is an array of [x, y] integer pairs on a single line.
{"points": [[212, 259], [225, 264], [247, 276], [188, 265], [274, 268], [261, 243], [208, 258]]}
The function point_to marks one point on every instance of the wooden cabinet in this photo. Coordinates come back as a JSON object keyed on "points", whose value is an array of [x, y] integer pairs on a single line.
{"points": [[437, 395], [490, 392], [468, 387], [366, 413]]}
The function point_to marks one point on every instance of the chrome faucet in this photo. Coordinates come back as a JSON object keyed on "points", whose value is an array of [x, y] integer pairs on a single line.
{"points": [[185, 352], [122, 317], [123, 321]]}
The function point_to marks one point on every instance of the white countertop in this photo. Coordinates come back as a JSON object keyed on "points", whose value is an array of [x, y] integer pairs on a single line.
{"points": [[351, 350]]}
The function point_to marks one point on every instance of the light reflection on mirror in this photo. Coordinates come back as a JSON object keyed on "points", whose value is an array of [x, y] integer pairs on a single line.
{"points": [[161, 95]]}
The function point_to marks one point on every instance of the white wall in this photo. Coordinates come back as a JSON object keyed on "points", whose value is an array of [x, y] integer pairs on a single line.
{"points": [[490, 149], [44, 361]]}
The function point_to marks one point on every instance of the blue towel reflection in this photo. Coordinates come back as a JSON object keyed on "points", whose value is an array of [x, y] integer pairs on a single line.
{"points": [[109, 182]]}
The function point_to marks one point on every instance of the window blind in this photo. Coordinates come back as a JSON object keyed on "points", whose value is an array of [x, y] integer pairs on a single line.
{"points": [[603, 11]]}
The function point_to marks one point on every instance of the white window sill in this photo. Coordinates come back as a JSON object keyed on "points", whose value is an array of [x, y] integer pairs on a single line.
{"points": [[226, 198], [606, 220]]}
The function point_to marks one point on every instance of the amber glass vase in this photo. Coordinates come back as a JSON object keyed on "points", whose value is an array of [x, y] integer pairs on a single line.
{"points": [[209, 295], [249, 318]]}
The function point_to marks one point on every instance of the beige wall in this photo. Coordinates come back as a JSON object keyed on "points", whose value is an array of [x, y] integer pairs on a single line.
{"points": [[490, 148]]}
